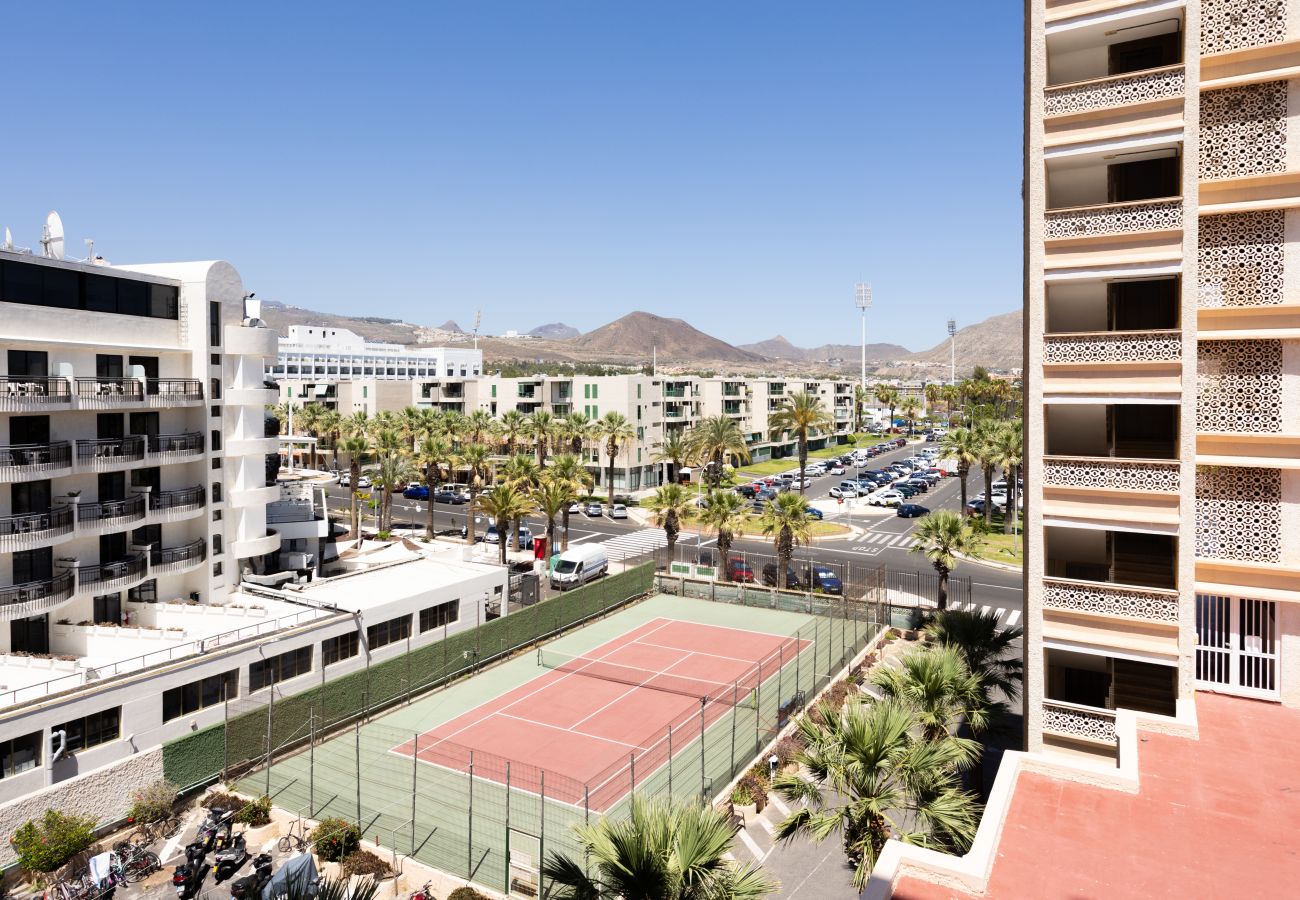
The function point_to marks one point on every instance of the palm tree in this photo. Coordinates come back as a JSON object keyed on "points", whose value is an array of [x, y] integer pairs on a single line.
{"points": [[393, 470], [786, 519], [940, 536], [523, 472], [802, 413], [355, 447], [675, 450], [475, 427], [986, 450], [712, 441], [726, 513], [553, 496], [961, 444], [476, 458], [670, 504], [569, 467], [911, 409], [431, 455], [935, 682], [950, 396], [860, 397], [987, 649], [615, 430], [887, 395], [357, 423], [511, 427], [330, 425], [505, 504], [542, 426], [1008, 451], [660, 851], [868, 774], [933, 391], [576, 428]]}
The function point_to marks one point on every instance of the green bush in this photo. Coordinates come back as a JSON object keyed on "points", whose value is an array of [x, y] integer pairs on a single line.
{"points": [[465, 893], [741, 795], [46, 845], [363, 862], [335, 839], [153, 801], [255, 813]]}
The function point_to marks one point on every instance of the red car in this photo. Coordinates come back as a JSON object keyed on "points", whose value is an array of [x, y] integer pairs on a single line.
{"points": [[739, 570]]}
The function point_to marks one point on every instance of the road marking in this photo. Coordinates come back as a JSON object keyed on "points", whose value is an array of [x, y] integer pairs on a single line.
{"points": [[1013, 618], [586, 537], [780, 806], [750, 844]]}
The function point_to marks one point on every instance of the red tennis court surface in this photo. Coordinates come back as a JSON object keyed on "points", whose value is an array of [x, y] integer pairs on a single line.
{"points": [[584, 732]]}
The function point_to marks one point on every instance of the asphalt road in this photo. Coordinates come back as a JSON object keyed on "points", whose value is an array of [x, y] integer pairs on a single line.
{"points": [[879, 536]]}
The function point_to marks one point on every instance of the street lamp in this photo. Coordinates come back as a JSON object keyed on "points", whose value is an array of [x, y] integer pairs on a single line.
{"points": [[952, 350], [862, 299]]}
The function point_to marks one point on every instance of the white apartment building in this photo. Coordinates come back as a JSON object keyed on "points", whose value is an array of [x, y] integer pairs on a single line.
{"points": [[339, 369]]}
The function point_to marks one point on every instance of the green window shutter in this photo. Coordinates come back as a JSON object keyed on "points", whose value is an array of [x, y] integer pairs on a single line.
{"points": [[494, 390], [595, 391], [365, 392]]}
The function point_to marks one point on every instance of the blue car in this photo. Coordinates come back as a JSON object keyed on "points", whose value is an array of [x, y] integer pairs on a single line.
{"points": [[824, 579], [815, 513], [911, 511], [416, 492]]}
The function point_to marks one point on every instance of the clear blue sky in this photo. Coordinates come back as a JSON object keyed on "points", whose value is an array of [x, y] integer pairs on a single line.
{"points": [[736, 164]]}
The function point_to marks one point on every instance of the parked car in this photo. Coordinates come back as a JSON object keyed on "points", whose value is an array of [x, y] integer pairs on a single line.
{"points": [[575, 507], [814, 469], [445, 496], [618, 511], [792, 579], [739, 570], [911, 510], [578, 565], [416, 492], [345, 480], [824, 579], [919, 483], [886, 498], [747, 491], [815, 513], [363, 482], [594, 508], [492, 536], [843, 492], [837, 469]]}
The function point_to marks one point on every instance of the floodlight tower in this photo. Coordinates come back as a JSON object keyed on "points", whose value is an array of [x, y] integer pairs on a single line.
{"points": [[862, 298], [952, 351]]}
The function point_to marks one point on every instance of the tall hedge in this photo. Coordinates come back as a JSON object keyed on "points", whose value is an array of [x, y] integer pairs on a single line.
{"points": [[201, 756]]}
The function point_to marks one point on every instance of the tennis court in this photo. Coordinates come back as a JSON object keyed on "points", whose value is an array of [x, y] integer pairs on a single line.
{"points": [[598, 717]]}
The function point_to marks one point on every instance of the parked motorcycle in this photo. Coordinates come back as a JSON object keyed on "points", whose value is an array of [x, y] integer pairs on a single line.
{"points": [[230, 858], [250, 886], [188, 876], [214, 830]]}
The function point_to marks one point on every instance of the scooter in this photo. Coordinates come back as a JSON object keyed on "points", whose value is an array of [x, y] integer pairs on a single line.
{"points": [[189, 875], [250, 886], [213, 826], [230, 858]]}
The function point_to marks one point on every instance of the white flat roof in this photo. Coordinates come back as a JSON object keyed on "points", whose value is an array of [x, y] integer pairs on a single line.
{"points": [[365, 589]]}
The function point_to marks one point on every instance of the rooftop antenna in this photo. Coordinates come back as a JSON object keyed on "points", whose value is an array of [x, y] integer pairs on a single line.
{"points": [[52, 236], [478, 319], [654, 359], [9, 240], [90, 250], [862, 300]]}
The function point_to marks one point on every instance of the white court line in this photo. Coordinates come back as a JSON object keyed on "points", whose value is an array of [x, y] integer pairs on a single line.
{"points": [[629, 691], [695, 652], [570, 730]]}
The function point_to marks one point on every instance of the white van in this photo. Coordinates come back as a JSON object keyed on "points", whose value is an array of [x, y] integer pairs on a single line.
{"points": [[578, 565]]}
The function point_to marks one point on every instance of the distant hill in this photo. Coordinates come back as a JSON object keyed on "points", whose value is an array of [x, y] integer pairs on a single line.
{"points": [[279, 316], [996, 343], [450, 325], [780, 348], [556, 331], [674, 340]]}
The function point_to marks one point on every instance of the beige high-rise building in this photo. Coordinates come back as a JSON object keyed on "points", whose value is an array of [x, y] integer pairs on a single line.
{"points": [[1162, 360]]}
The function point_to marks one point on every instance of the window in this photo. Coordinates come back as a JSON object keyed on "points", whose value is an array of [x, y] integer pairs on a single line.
{"points": [[215, 359], [216, 492], [216, 545], [440, 615], [145, 592], [20, 754], [215, 388], [93, 730], [216, 440], [216, 412], [494, 390], [595, 392], [216, 467], [337, 649], [216, 515], [188, 698], [216, 570], [214, 323], [389, 632], [638, 392], [279, 668], [586, 392], [57, 287]]}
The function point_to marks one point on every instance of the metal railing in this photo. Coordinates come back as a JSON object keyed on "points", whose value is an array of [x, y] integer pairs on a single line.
{"points": [[19, 390], [186, 498], [55, 455], [57, 520], [184, 389], [110, 390], [114, 574], [103, 510], [53, 590], [195, 551], [110, 450], [190, 442]]}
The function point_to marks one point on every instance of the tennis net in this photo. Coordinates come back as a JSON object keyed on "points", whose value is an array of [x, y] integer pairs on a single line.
{"points": [[734, 693]]}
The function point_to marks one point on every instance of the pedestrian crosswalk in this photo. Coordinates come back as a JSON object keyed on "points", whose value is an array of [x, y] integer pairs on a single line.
{"points": [[874, 542], [635, 543], [1007, 617]]}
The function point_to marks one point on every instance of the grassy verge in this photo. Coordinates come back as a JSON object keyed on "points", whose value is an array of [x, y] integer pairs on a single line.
{"points": [[816, 528], [1003, 548]]}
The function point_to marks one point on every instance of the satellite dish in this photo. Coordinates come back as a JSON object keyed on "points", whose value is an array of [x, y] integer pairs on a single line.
{"points": [[52, 236], [9, 241]]}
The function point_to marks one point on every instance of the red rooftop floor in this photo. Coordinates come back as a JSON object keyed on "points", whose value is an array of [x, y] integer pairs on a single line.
{"points": [[1215, 817]]}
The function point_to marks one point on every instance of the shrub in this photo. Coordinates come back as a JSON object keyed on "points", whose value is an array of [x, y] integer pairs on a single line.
{"points": [[335, 839], [153, 801], [363, 862], [741, 795], [255, 813], [46, 845], [787, 747], [465, 893], [232, 803]]}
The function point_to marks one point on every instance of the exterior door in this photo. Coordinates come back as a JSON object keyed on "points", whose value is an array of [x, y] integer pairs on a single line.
{"points": [[1237, 645]]}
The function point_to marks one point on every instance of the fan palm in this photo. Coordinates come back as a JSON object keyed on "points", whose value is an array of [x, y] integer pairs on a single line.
{"points": [[962, 445], [911, 409], [475, 427], [541, 428], [935, 682], [308, 422], [986, 449], [939, 537], [987, 649], [933, 391], [523, 472], [669, 505], [802, 413], [357, 423], [504, 505], [615, 430], [510, 428], [887, 395], [725, 513], [477, 459], [786, 520], [712, 441], [1008, 452], [356, 447], [392, 471], [431, 454], [867, 774], [569, 466], [330, 425], [554, 495], [660, 851], [860, 397], [577, 429], [675, 450]]}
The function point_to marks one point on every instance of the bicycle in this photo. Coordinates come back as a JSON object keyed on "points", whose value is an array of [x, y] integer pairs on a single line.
{"points": [[424, 893], [295, 839], [139, 863], [159, 829]]}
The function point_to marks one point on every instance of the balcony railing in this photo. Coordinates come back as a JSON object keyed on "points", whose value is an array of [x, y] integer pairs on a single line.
{"points": [[19, 530], [1114, 218], [1111, 473], [1112, 347], [19, 601], [110, 390], [163, 559], [92, 452], [186, 498], [175, 390], [1072, 720], [116, 574], [1111, 91], [37, 457], [111, 511], [1149, 604], [188, 444], [24, 391]]}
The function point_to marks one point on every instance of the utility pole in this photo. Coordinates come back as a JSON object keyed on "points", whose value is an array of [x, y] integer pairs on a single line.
{"points": [[952, 351], [862, 298]]}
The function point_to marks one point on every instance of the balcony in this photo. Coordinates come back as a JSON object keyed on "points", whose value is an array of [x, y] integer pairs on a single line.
{"points": [[254, 496], [1146, 604], [109, 393], [168, 560], [169, 506], [28, 531], [1079, 723], [1135, 620], [1106, 557], [110, 515], [246, 340], [110, 454], [674, 391], [1126, 363], [171, 392], [258, 546], [27, 462], [117, 575], [1112, 91], [168, 448], [1119, 491], [1109, 219], [27, 393], [20, 601]]}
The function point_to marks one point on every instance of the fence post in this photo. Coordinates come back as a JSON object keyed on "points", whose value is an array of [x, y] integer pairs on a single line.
{"points": [[735, 713], [311, 763], [358, 755], [225, 740], [780, 671], [415, 772], [670, 762], [758, 703], [541, 838], [270, 722], [798, 669], [507, 853], [704, 701], [469, 848], [631, 766], [586, 805]]}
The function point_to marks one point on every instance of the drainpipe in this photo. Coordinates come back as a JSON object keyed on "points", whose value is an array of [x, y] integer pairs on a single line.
{"points": [[56, 753]]}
